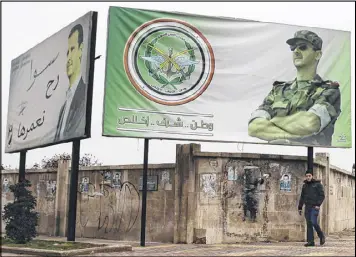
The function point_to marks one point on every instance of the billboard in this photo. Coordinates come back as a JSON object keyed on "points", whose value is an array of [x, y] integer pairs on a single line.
{"points": [[51, 85], [188, 77]]}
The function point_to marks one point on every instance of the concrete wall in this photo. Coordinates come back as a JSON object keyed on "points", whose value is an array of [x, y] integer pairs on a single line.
{"points": [[108, 207], [212, 192], [115, 210], [342, 201], [339, 206], [199, 199], [43, 188]]}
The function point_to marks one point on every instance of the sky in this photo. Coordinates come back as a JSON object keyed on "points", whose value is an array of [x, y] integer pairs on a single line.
{"points": [[24, 25]]}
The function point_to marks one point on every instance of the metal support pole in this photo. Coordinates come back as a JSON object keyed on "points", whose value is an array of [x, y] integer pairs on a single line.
{"points": [[144, 193], [22, 166], [72, 210], [310, 159]]}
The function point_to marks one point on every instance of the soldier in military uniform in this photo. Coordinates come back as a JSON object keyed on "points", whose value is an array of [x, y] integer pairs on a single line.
{"points": [[302, 111]]}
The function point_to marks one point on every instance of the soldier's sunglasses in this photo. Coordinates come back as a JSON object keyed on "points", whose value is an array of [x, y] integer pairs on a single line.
{"points": [[301, 47]]}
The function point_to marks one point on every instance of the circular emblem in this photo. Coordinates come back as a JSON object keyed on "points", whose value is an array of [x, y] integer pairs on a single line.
{"points": [[169, 61]]}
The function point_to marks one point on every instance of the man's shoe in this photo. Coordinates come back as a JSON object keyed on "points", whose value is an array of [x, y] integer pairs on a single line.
{"points": [[309, 244], [322, 240]]}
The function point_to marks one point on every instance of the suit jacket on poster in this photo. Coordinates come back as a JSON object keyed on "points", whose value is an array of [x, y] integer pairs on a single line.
{"points": [[75, 123]]}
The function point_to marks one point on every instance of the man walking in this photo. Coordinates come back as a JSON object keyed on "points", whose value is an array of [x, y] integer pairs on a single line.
{"points": [[312, 197]]}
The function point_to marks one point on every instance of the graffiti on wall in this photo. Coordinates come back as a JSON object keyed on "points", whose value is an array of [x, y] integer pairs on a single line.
{"points": [[110, 208]]}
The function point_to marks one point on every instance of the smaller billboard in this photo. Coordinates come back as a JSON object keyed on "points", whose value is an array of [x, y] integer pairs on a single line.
{"points": [[51, 85]]}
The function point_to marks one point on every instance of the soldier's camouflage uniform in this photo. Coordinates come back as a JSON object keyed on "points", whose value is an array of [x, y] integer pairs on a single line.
{"points": [[317, 96]]}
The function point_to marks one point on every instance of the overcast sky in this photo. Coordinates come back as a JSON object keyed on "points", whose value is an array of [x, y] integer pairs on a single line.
{"points": [[26, 24]]}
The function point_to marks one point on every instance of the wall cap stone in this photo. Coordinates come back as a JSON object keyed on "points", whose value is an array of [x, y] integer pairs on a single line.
{"points": [[32, 171], [250, 156], [317, 160], [130, 167], [93, 168]]}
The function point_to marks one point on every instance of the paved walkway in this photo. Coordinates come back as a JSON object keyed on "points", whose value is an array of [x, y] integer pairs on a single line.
{"points": [[342, 244], [335, 246]]}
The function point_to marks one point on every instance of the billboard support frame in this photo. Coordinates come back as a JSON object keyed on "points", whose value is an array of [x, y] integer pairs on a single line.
{"points": [[144, 192], [73, 188], [310, 159], [22, 166]]}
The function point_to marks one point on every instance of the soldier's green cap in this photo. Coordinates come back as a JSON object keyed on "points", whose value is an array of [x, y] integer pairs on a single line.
{"points": [[309, 36]]}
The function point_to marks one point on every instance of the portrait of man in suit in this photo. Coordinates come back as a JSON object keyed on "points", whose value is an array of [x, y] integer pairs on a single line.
{"points": [[71, 120], [285, 183], [85, 185]]}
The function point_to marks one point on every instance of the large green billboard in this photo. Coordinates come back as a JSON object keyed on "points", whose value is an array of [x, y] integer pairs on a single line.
{"points": [[184, 76]]}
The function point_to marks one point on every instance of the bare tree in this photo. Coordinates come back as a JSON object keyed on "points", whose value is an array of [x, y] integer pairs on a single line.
{"points": [[89, 160], [52, 162], [84, 161], [5, 167], [36, 166]]}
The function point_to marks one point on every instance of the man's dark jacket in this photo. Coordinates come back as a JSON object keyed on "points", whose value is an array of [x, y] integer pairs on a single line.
{"points": [[312, 194]]}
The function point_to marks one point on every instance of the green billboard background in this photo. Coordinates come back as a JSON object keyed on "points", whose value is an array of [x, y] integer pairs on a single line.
{"points": [[243, 74]]}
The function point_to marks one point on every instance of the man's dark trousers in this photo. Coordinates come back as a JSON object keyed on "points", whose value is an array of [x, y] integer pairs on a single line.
{"points": [[311, 217]]}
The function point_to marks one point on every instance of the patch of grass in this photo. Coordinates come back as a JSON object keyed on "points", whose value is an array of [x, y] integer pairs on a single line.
{"points": [[49, 245]]}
